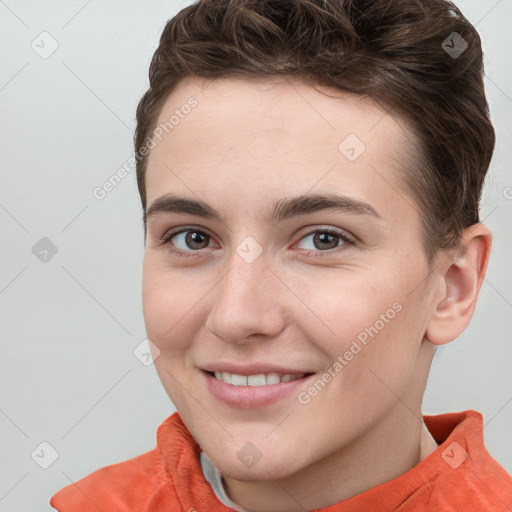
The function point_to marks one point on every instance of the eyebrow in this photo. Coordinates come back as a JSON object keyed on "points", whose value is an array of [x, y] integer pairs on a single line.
{"points": [[283, 209]]}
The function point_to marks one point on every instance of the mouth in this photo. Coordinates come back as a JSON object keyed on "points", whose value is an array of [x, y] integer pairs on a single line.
{"points": [[255, 391], [258, 380]]}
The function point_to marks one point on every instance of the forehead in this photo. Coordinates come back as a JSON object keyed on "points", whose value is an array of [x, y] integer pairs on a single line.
{"points": [[259, 138]]}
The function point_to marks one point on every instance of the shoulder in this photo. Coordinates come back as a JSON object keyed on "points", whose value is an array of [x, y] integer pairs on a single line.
{"points": [[462, 473], [478, 488], [126, 486]]}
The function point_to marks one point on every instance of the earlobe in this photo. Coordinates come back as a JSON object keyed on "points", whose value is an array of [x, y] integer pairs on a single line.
{"points": [[460, 285]]}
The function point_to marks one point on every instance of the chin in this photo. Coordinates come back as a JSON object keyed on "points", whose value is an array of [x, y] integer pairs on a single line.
{"points": [[279, 466]]}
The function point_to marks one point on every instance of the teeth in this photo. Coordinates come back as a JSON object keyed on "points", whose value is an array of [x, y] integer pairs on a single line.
{"points": [[256, 380], [261, 379], [273, 378]]}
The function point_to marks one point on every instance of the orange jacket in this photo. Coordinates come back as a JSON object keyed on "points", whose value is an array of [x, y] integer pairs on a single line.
{"points": [[459, 475]]}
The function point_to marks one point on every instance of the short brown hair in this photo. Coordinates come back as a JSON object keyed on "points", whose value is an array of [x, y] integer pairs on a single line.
{"points": [[396, 52]]}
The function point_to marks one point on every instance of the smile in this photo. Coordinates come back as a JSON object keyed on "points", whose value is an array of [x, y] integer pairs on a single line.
{"points": [[262, 379], [253, 391]]}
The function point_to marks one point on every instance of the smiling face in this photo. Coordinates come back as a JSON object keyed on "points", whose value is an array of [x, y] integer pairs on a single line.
{"points": [[266, 276]]}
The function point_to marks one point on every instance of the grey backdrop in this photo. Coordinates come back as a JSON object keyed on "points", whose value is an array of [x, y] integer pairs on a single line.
{"points": [[71, 75]]}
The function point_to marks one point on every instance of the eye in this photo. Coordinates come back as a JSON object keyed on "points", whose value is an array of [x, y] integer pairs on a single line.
{"points": [[186, 241], [327, 238]]}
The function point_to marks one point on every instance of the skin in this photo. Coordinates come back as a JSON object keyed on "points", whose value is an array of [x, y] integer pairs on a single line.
{"points": [[243, 147]]}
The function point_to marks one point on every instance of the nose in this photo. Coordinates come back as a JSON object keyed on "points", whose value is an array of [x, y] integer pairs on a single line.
{"points": [[246, 303]]}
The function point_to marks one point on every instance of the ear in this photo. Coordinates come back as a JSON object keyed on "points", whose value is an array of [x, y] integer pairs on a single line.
{"points": [[460, 281]]}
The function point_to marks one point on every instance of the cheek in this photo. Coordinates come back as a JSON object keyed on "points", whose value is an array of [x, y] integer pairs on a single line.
{"points": [[167, 302], [346, 305], [168, 308], [368, 328], [385, 366]]}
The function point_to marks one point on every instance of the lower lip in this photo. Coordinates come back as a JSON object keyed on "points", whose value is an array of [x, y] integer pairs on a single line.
{"points": [[250, 397]]}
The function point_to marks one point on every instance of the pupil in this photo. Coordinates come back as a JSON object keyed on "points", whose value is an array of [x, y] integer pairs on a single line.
{"points": [[323, 237], [192, 238]]}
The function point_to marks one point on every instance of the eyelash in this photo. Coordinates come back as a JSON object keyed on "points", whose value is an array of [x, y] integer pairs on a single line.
{"points": [[166, 240]]}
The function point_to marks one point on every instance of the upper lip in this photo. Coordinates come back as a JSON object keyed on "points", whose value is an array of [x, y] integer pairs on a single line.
{"points": [[251, 369]]}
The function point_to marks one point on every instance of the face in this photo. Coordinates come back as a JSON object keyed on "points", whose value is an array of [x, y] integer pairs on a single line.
{"points": [[263, 278]]}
